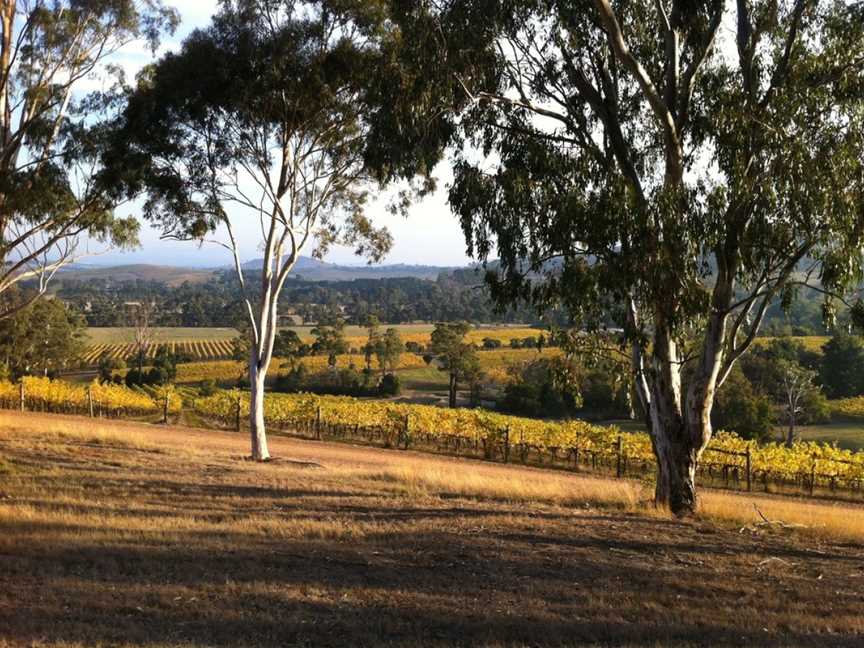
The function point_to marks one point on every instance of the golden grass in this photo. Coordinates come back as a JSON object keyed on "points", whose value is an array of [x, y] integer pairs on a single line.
{"points": [[827, 520], [97, 432], [107, 543], [419, 480]]}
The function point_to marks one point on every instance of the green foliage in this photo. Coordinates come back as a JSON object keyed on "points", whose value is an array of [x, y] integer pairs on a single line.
{"points": [[388, 349], [842, 371], [548, 387], [162, 369], [447, 346], [330, 340], [107, 366], [740, 408], [41, 339], [389, 385], [54, 131], [289, 345]]}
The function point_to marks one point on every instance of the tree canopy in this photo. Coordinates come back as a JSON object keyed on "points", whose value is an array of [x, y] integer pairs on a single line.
{"points": [[52, 132], [637, 158]]}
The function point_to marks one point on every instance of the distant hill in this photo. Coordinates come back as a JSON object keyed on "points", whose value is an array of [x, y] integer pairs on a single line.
{"points": [[168, 275], [307, 269], [310, 269]]}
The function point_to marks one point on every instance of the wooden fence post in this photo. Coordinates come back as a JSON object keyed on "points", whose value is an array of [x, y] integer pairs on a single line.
{"points": [[620, 448], [237, 414], [813, 474], [21, 394], [90, 399], [318, 423], [747, 458], [507, 444], [165, 408], [407, 430]]}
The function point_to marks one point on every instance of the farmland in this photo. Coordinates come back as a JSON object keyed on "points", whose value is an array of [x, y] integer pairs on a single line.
{"points": [[129, 534], [202, 344]]}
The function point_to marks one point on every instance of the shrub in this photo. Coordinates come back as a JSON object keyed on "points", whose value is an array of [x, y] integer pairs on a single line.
{"points": [[389, 385]]}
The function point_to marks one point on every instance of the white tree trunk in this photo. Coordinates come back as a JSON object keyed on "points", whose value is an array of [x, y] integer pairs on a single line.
{"points": [[257, 427]]}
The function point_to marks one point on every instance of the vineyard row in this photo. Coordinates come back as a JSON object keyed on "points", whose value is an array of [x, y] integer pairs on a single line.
{"points": [[729, 459], [570, 444]]}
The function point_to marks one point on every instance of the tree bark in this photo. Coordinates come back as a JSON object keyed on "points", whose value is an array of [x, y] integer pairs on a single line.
{"points": [[681, 422], [790, 438], [452, 391], [258, 430]]}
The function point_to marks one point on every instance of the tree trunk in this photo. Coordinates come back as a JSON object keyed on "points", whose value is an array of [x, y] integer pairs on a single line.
{"points": [[790, 437], [452, 391], [677, 461], [680, 423], [257, 428]]}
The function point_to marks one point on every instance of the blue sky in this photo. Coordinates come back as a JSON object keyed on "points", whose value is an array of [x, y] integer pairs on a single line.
{"points": [[429, 236]]}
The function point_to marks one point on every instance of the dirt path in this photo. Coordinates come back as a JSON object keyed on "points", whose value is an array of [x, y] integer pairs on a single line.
{"points": [[139, 535]]}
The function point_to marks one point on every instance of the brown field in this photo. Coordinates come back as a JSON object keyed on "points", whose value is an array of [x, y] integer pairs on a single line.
{"points": [[134, 535]]}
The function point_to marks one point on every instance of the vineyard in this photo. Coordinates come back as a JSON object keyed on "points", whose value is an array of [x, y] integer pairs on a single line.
{"points": [[195, 349], [217, 344], [729, 460], [108, 400], [495, 363], [576, 445]]}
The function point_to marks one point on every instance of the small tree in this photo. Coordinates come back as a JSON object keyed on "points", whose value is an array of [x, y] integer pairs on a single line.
{"points": [[107, 366], [43, 338], [289, 346], [259, 122], [842, 366], [330, 340], [143, 332], [373, 330], [797, 385], [454, 356], [389, 350]]}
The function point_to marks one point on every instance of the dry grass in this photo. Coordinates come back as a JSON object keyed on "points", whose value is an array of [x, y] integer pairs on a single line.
{"points": [[833, 521], [104, 541]]}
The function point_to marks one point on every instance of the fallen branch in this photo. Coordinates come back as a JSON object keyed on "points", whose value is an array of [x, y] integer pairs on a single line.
{"points": [[780, 523]]}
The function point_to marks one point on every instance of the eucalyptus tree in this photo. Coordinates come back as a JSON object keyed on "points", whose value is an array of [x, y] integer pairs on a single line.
{"points": [[258, 125], [51, 125], [681, 165]]}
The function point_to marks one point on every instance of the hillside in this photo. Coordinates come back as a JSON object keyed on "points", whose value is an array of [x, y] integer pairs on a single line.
{"points": [[168, 275], [310, 269], [138, 535]]}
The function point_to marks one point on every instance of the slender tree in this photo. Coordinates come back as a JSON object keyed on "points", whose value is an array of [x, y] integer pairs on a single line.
{"points": [[51, 130], [454, 356], [259, 123], [388, 349], [797, 385], [680, 165]]}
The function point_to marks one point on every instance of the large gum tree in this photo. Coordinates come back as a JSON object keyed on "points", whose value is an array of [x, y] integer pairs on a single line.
{"points": [[258, 125], [52, 119], [676, 166]]}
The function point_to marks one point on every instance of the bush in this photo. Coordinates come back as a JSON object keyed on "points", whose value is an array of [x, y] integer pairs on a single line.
{"points": [[842, 370], [208, 388], [389, 385], [542, 388], [739, 408]]}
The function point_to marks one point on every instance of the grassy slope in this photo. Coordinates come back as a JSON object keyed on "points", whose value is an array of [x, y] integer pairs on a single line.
{"points": [[137, 535], [846, 434]]}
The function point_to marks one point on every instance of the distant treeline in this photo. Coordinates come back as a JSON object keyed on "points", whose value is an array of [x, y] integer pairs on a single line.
{"points": [[454, 296]]}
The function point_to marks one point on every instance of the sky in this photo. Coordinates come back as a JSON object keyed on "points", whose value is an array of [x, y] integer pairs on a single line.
{"points": [[430, 235]]}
